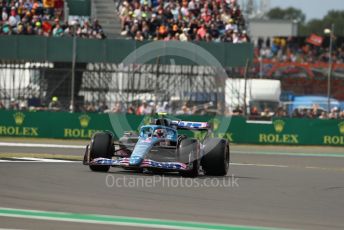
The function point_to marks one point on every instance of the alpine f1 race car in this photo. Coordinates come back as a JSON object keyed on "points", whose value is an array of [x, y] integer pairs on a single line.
{"points": [[159, 148]]}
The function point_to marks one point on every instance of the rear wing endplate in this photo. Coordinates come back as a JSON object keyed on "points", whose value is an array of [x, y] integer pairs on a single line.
{"points": [[191, 125]]}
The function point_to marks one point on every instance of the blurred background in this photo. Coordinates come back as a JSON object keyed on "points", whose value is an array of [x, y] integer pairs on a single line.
{"points": [[289, 64]]}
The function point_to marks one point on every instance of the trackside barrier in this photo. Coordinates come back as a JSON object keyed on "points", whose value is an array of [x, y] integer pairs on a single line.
{"points": [[66, 125], [114, 51]]}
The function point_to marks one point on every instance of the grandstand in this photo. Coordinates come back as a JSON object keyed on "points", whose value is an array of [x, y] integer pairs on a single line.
{"points": [[45, 18], [186, 20], [101, 83]]}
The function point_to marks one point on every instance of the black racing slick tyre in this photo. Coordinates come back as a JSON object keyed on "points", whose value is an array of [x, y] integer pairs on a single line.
{"points": [[215, 162], [188, 150], [101, 147]]}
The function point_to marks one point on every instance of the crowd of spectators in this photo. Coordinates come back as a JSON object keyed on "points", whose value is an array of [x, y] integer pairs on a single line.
{"points": [[297, 49], [314, 112], [150, 108], [44, 18], [184, 20], [317, 113]]}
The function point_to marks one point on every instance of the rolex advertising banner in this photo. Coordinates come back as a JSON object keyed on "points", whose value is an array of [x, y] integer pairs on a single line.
{"points": [[45, 124], [51, 124], [238, 130], [21, 124]]}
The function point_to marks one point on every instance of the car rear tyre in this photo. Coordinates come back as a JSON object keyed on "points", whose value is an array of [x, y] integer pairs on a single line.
{"points": [[189, 153], [101, 147], [215, 162]]}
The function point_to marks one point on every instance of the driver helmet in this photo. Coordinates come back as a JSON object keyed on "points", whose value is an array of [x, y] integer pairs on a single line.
{"points": [[159, 133]]}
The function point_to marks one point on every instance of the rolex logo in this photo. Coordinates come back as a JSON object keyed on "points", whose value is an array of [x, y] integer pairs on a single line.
{"points": [[279, 125], [19, 118], [147, 120], [341, 127], [84, 121], [215, 124]]}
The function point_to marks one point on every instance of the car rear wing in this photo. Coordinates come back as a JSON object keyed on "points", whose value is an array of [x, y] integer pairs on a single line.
{"points": [[191, 125]]}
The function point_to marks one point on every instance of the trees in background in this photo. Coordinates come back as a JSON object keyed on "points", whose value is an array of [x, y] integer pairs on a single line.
{"points": [[316, 26], [290, 13]]}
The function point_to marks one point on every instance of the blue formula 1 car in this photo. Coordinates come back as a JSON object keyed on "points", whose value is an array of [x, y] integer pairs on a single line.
{"points": [[160, 148]]}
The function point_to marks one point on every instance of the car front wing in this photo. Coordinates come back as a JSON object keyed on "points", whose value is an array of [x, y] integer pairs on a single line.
{"points": [[124, 162]]}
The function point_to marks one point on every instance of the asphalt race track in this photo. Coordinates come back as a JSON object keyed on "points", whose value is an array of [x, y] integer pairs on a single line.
{"points": [[297, 188]]}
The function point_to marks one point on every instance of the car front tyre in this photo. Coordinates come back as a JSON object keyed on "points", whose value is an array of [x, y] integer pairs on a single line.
{"points": [[101, 147], [215, 162]]}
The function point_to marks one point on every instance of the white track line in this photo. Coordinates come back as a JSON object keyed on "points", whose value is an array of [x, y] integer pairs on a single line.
{"points": [[44, 160], [7, 144], [35, 160], [260, 165], [14, 161], [10, 229]]}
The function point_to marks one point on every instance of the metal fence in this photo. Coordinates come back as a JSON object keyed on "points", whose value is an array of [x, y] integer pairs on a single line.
{"points": [[109, 86], [135, 88]]}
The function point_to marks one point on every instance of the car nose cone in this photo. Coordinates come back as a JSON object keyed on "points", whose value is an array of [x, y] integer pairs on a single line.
{"points": [[135, 161]]}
